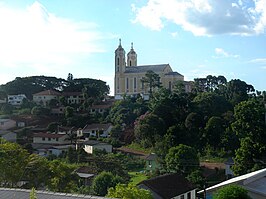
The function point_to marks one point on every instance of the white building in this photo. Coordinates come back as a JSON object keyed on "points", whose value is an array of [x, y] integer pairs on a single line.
{"points": [[50, 138], [16, 100], [44, 97], [254, 183], [91, 145], [96, 130]]}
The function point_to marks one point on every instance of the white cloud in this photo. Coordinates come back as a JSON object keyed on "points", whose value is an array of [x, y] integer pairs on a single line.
{"points": [[205, 17], [258, 60], [221, 53], [174, 34], [43, 42]]}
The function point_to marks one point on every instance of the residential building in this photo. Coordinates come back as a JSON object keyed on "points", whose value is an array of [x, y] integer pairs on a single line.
{"points": [[51, 138], [96, 130], [8, 136], [6, 124], [254, 183], [91, 145], [169, 186], [74, 97], [101, 108], [44, 97], [152, 162], [16, 100], [128, 75]]}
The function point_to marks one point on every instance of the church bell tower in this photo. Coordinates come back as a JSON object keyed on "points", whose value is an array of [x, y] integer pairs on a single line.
{"points": [[132, 57]]}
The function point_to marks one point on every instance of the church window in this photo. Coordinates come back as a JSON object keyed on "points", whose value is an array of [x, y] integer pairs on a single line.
{"points": [[127, 84], [118, 61], [130, 63], [117, 83], [135, 82]]}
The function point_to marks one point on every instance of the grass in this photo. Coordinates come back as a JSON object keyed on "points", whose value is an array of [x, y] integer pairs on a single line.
{"points": [[137, 177], [138, 147]]}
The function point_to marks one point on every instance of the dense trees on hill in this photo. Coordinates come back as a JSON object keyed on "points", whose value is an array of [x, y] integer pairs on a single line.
{"points": [[216, 116], [35, 84]]}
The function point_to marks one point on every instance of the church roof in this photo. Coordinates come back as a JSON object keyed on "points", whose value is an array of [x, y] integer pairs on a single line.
{"points": [[155, 68]]}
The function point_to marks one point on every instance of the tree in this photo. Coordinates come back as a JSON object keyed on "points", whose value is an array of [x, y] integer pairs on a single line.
{"points": [[103, 182], [182, 158], [148, 128], [214, 131], [232, 192], [37, 173], [152, 80], [128, 192], [246, 156], [249, 120], [13, 163], [37, 110]]}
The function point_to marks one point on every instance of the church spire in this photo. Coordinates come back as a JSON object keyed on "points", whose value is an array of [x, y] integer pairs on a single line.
{"points": [[132, 57], [131, 45]]}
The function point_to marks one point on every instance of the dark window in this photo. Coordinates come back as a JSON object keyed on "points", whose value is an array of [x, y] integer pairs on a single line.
{"points": [[127, 83], [130, 63], [188, 195], [56, 139], [135, 82], [118, 61], [49, 139], [170, 85], [43, 139], [182, 197]]}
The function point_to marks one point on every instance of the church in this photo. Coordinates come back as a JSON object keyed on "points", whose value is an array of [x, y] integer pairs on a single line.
{"points": [[128, 74]]}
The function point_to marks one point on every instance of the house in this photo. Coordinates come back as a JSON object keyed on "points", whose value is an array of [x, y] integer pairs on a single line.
{"points": [[8, 193], [44, 97], [129, 75], [86, 174], [6, 124], [91, 145], [169, 186], [51, 138], [254, 183], [101, 108], [8, 136], [152, 162], [96, 130], [74, 97], [16, 100]]}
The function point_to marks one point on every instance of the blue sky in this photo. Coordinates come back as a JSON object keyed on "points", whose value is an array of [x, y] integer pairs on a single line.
{"points": [[196, 37]]}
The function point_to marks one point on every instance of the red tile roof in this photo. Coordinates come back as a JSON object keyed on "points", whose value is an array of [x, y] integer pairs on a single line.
{"points": [[48, 92], [48, 135]]}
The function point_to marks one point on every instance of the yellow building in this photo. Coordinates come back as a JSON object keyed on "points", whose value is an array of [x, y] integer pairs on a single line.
{"points": [[128, 74]]}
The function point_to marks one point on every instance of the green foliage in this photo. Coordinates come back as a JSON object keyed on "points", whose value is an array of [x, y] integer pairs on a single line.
{"points": [[137, 177], [38, 110], [148, 128], [182, 158], [103, 182], [33, 194], [62, 178], [13, 161], [197, 178], [152, 80], [7, 109], [249, 120], [128, 192], [232, 192]]}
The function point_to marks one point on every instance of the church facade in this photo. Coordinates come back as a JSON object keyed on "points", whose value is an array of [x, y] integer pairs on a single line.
{"points": [[128, 74]]}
